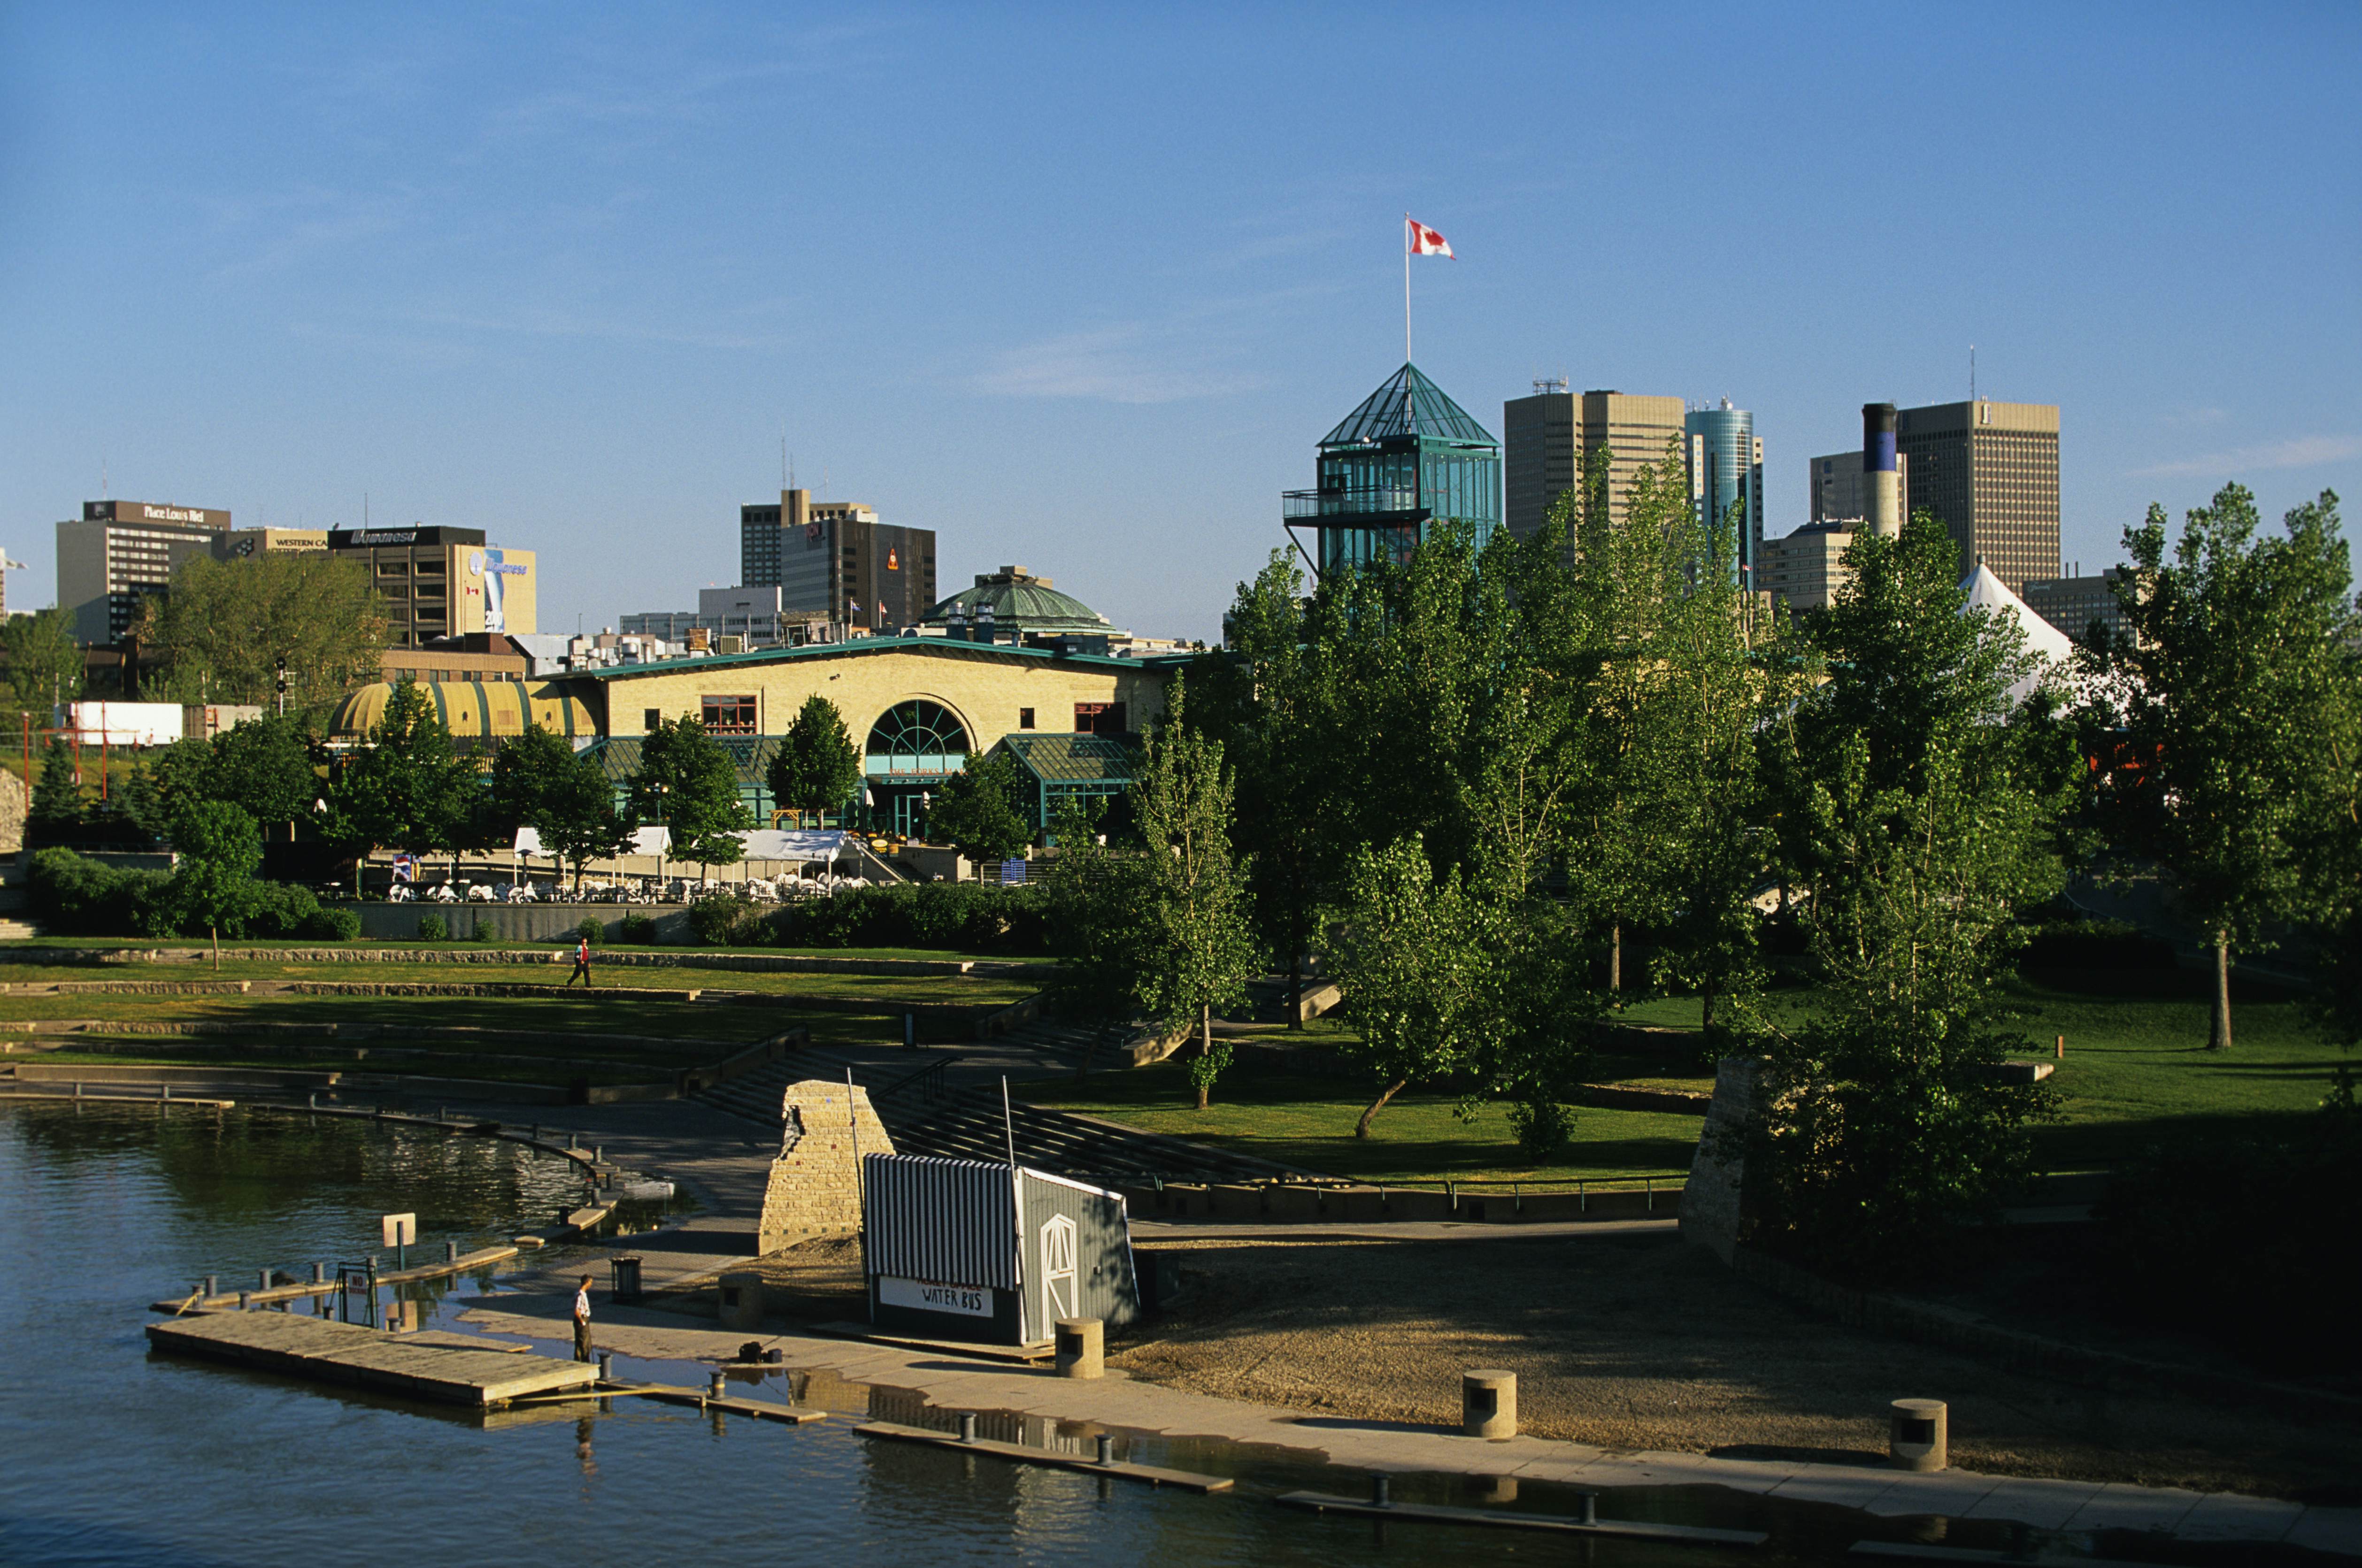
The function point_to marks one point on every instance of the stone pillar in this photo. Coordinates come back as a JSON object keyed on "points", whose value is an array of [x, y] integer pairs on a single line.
{"points": [[1712, 1204], [1919, 1435], [1082, 1347], [739, 1298], [1488, 1404]]}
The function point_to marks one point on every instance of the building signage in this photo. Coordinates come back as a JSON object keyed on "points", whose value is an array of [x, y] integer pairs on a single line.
{"points": [[381, 536], [929, 1296]]}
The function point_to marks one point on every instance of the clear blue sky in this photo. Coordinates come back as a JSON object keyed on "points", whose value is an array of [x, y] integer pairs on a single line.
{"points": [[1080, 288]]}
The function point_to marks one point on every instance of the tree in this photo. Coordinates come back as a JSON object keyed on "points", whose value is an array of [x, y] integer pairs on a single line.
{"points": [[540, 782], [1196, 950], [266, 767], [225, 626], [45, 662], [56, 811], [688, 782], [2231, 699], [1417, 967], [1095, 895], [816, 767], [976, 811], [220, 850], [406, 786]]}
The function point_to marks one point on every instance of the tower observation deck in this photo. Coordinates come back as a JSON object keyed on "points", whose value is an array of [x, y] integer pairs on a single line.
{"points": [[1407, 459]]}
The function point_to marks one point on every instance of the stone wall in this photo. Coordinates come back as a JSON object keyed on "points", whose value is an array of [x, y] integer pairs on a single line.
{"points": [[1713, 1208], [815, 1186], [14, 804]]}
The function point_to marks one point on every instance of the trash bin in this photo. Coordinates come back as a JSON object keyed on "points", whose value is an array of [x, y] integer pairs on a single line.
{"points": [[1081, 1347], [1488, 1404], [626, 1276], [740, 1299], [1918, 1434]]}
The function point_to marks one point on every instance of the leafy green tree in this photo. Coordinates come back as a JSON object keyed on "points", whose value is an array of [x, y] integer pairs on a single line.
{"points": [[220, 850], [268, 768], [1418, 966], [974, 811], [225, 626], [816, 767], [56, 809], [406, 786], [2232, 696], [45, 662], [1197, 946], [1094, 895], [688, 783], [542, 782]]}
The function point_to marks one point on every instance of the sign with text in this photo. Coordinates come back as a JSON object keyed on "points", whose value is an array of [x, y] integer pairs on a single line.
{"points": [[929, 1295]]}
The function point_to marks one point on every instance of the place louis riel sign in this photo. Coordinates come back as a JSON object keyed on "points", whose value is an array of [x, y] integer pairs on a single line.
{"points": [[931, 1296]]}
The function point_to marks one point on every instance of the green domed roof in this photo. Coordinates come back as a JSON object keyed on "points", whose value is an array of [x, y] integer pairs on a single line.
{"points": [[1020, 602]]}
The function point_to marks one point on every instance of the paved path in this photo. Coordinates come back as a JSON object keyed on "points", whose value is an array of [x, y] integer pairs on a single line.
{"points": [[1400, 1230], [1393, 1446]]}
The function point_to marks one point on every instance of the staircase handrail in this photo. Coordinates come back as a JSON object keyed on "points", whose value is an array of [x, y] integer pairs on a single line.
{"points": [[928, 1081]]}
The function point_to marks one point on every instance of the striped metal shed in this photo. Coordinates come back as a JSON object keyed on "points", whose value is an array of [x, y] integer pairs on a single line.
{"points": [[969, 1250]]}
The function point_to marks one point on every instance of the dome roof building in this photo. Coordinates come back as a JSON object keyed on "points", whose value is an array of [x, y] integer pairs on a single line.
{"points": [[1017, 602]]}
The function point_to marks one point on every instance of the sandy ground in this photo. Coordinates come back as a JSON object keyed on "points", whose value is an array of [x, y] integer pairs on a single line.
{"points": [[1642, 1342]]}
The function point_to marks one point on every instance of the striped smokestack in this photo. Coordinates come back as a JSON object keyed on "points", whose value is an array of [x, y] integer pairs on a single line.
{"points": [[1881, 491]]}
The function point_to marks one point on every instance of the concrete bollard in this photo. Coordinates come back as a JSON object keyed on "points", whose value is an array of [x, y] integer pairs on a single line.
{"points": [[450, 1252], [1106, 1449], [1918, 1434], [1081, 1347], [213, 1286], [740, 1297], [719, 1388], [606, 1366], [1488, 1404], [967, 1426], [1381, 1492]]}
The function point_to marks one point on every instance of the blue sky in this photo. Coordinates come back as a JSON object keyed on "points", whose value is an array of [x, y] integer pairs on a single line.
{"points": [[1080, 288]]}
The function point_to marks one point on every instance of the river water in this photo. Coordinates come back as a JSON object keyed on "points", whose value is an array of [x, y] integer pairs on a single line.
{"points": [[111, 1456]]}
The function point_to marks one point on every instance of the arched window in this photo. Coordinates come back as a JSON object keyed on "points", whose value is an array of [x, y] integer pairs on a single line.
{"points": [[917, 737]]}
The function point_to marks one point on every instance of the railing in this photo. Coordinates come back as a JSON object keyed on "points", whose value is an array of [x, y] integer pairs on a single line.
{"points": [[1303, 505], [927, 1083]]}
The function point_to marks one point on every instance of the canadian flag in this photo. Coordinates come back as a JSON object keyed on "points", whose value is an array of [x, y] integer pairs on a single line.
{"points": [[1425, 241]]}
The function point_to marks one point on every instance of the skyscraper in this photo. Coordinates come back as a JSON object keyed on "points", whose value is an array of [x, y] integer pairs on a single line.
{"points": [[118, 552], [1990, 473], [1407, 458], [835, 558], [1725, 460], [1550, 433]]}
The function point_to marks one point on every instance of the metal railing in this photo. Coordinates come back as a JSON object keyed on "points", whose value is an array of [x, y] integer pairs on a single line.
{"points": [[1303, 505]]}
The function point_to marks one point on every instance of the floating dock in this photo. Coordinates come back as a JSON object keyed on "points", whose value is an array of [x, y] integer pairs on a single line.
{"points": [[1504, 1518], [443, 1369], [1184, 1480]]}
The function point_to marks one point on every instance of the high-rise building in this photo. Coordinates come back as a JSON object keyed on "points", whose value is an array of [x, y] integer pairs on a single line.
{"points": [[1989, 471], [1549, 433], [1841, 488], [834, 558], [1725, 459], [1405, 460], [119, 551], [441, 582], [1806, 569], [2073, 603]]}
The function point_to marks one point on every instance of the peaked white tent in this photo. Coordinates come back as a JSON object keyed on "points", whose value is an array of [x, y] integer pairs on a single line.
{"points": [[2051, 647]]}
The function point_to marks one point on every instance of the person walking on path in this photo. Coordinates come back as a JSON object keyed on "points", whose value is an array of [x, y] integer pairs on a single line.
{"points": [[582, 1321], [581, 963]]}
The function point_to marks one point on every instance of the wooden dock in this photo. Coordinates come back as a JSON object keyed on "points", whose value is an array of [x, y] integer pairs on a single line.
{"points": [[466, 1262], [1184, 1480], [444, 1369], [1505, 1518]]}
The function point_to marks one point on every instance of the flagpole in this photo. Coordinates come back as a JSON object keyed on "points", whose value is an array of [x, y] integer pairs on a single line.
{"points": [[1406, 237]]}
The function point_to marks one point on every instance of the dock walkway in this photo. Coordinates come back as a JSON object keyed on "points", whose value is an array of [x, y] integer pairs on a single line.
{"points": [[440, 1368]]}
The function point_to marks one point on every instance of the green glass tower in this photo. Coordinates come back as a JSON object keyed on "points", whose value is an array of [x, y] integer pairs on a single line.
{"points": [[1407, 458]]}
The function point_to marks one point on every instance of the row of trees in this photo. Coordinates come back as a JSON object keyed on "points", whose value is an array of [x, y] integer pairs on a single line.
{"points": [[1466, 781]]}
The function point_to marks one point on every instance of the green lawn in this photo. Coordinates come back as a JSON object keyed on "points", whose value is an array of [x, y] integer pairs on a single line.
{"points": [[932, 955], [1308, 1121]]}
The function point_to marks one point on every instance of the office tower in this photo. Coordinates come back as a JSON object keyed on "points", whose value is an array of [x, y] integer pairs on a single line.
{"points": [[2072, 603], [1550, 433], [1989, 471], [1840, 492], [1806, 568], [119, 551], [1407, 458], [1725, 459], [440, 582], [833, 557]]}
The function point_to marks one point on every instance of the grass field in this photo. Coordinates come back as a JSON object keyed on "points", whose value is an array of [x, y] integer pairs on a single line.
{"points": [[935, 955]]}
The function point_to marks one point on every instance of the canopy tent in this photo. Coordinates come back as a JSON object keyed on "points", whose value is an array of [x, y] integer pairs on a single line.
{"points": [[2052, 648], [807, 845], [654, 841]]}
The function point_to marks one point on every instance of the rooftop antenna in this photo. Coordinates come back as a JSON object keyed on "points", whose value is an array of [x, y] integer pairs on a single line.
{"points": [[783, 457], [102, 476], [1972, 373]]}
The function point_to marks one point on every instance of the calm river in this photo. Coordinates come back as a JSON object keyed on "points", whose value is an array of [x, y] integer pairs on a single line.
{"points": [[109, 1455]]}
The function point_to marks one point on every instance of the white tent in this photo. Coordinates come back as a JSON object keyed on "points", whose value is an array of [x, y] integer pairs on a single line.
{"points": [[781, 843], [2052, 649], [644, 841]]}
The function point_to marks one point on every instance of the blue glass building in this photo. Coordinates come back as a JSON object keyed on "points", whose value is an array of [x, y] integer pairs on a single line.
{"points": [[1727, 471], [1407, 459]]}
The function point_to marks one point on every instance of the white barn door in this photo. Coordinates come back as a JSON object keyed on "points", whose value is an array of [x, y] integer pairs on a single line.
{"points": [[1060, 1298]]}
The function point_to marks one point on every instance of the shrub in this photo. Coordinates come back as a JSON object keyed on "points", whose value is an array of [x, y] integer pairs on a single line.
{"points": [[2096, 944], [335, 925], [485, 932], [1544, 1128], [956, 916], [74, 895], [273, 909], [432, 927], [716, 918], [589, 929], [639, 930]]}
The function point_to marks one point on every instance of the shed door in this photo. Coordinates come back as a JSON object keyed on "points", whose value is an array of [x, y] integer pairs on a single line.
{"points": [[1059, 1296]]}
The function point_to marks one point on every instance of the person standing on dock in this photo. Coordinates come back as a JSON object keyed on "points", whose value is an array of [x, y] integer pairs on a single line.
{"points": [[582, 1321], [581, 963]]}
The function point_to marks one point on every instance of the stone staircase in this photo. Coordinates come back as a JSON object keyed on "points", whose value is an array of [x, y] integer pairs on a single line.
{"points": [[947, 1103]]}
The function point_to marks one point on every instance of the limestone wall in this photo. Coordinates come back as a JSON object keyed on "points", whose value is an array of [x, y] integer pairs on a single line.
{"points": [[815, 1186]]}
